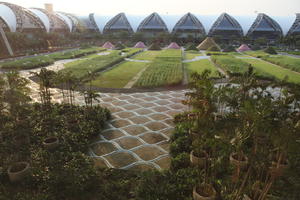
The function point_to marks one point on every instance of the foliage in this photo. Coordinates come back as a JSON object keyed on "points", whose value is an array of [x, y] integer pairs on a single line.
{"points": [[248, 120], [213, 48], [154, 47], [172, 185], [270, 50], [166, 69]]}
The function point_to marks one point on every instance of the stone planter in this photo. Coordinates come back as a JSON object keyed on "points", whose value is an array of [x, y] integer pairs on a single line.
{"points": [[204, 192], [239, 163], [199, 160], [51, 143], [18, 171]]}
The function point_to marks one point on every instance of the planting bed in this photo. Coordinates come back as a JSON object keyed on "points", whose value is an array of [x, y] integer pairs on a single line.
{"points": [[166, 69]]}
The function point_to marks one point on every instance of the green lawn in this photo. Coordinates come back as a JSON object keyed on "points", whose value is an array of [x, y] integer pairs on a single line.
{"points": [[45, 60], [284, 61], [81, 68], [201, 65], [119, 76], [294, 52], [256, 53], [147, 55], [166, 69], [230, 64], [274, 71], [189, 55]]}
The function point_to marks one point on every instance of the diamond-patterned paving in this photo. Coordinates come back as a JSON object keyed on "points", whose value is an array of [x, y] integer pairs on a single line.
{"points": [[137, 136]]}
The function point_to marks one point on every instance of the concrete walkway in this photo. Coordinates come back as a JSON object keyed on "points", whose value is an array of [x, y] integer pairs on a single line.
{"points": [[140, 61], [196, 59]]}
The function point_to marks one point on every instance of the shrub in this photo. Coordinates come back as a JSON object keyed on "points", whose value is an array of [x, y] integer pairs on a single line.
{"points": [[270, 50], [154, 47], [213, 48], [229, 49], [191, 47], [181, 161]]}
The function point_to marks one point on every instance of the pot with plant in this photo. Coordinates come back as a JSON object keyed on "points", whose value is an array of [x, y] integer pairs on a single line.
{"points": [[18, 171]]}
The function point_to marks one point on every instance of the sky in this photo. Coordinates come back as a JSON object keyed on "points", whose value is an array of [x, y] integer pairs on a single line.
{"points": [[166, 7]]}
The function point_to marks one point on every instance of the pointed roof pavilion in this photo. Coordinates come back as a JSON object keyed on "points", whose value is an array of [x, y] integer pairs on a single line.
{"points": [[208, 43], [152, 22], [118, 23], [295, 29], [173, 45], [108, 45], [226, 23], [265, 24], [243, 48], [189, 22], [140, 45]]}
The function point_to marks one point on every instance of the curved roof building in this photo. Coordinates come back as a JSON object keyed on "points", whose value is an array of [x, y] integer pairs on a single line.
{"points": [[152, 25], [226, 27], [265, 26], [17, 18], [119, 23], [295, 29], [51, 21], [189, 25]]}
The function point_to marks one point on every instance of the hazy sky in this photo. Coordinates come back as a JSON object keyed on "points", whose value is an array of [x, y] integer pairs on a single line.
{"points": [[145, 7]]}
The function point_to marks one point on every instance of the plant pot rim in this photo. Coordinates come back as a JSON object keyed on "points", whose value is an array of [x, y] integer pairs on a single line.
{"points": [[50, 140], [212, 196], [27, 165]]}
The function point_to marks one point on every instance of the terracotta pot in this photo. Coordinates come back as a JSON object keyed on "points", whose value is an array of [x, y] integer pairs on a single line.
{"points": [[209, 194], [199, 160], [242, 164], [51, 143], [275, 170], [18, 171]]}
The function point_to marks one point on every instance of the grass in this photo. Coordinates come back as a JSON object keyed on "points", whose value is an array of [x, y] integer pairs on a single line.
{"points": [[284, 61], [230, 64], [274, 71], [201, 65], [294, 52], [81, 68], [27, 63], [165, 70], [256, 53], [75, 53], [119, 76], [147, 55], [189, 55], [45, 60]]}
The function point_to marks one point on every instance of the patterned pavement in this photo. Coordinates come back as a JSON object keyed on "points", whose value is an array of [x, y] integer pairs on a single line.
{"points": [[137, 136]]}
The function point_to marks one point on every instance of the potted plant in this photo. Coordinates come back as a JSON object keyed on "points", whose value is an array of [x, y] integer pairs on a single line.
{"points": [[18, 171]]}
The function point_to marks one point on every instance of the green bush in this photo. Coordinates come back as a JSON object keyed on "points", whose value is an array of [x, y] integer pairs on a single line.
{"points": [[181, 161], [192, 47], [27, 63], [270, 50], [213, 48], [154, 47]]}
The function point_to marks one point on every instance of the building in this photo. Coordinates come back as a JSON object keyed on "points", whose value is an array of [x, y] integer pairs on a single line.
{"points": [[265, 27], [152, 26], [51, 21], [295, 29], [16, 18], [118, 24], [189, 25], [226, 27]]}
